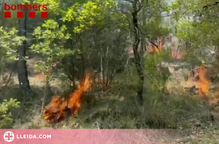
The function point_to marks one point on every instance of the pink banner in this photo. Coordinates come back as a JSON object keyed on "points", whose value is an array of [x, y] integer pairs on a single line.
{"points": [[79, 136]]}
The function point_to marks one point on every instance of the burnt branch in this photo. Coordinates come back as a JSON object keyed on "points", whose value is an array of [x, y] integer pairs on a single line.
{"points": [[206, 7], [153, 43]]}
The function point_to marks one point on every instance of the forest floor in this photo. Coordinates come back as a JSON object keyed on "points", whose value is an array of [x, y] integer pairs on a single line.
{"points": [[181, 119]]}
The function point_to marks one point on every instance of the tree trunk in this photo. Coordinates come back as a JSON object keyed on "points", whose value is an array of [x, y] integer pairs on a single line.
{"points": [[107, 67], [137, 55], [21, 63], [102, 73]]}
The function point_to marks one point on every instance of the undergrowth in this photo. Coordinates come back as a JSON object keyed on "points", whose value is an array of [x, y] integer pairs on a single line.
{"points": [[117, 108]]}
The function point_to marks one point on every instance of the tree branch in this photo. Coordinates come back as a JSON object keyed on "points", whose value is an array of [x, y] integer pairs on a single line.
{"points": [[210, 5]]}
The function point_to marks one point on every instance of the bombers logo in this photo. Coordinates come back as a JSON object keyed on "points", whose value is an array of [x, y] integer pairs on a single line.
{"points": [[21, 7]]}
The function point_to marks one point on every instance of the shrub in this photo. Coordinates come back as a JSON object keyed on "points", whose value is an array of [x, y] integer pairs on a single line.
{"points": [[6, 118]]}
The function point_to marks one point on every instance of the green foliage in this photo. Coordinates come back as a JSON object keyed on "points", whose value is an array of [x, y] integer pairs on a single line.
{"points": [[197, 27], [202, 31], [91, 13], [155, 30], [156, 77], [51, 40], [5, 114], [9, 41], [84, 29]]}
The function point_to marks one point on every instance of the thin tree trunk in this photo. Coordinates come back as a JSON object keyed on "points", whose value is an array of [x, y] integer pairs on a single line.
{"points": [[107, 67], [2, 11], [82, 66], [137, 55], [101, 69], [21, 63]]}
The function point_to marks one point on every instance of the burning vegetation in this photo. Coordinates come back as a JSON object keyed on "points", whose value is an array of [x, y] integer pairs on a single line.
{"points": [[59, 107], [198, 82], [202, 82]]}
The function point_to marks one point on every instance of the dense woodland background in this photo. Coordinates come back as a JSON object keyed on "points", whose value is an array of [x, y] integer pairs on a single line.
{"points": [[135, 49]]}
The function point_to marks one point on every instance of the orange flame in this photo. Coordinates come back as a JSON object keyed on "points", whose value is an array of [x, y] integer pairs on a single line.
{"points": [[156, 49], [176, 54], [59, 108], [75, 98], [202, 82]]}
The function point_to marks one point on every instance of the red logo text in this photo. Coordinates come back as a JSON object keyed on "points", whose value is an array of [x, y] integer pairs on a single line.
{"points": [[31, 8]]}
